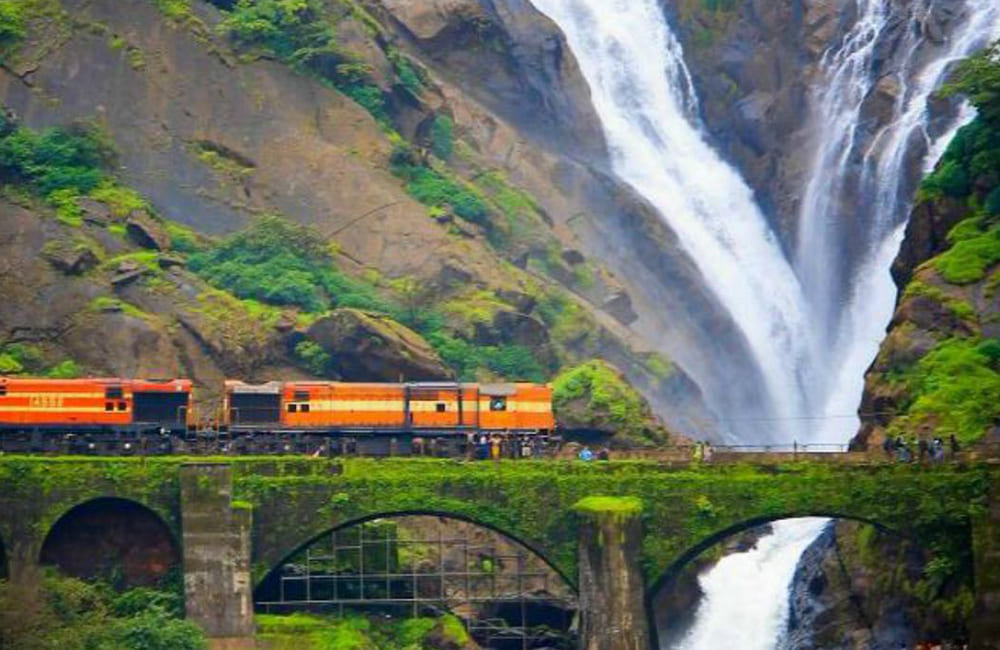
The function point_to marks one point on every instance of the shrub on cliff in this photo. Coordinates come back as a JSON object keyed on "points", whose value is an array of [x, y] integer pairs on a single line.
{"points": [[956, 386], [12, 25], [55, 159], [282, 263], [978, 78]]}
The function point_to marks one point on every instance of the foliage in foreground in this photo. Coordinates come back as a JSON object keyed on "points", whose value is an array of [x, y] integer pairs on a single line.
{"points": [[354, 632], [69, 614]]}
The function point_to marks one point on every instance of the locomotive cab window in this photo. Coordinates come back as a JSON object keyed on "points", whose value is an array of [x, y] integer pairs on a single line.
{"points": [[122, 406], [3, 390], [498, 404], [304, 408], [109, 406], [293, 408], [301, 396], [441, 407], [114, 392]]}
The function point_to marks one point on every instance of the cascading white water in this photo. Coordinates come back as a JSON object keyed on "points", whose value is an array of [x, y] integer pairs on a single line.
{"points": [[862, 185], [726, 618], [812, 328], [642, 92]]}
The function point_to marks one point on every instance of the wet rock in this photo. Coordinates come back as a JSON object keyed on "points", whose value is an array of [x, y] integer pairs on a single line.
{"points": [[128, 271], [94, 211], [72, 258], [170, 261], [522, 302], [619, 305], [513, 328], [146, 232], [573, 257], [513, 59], [366, 346], [880, 105]]}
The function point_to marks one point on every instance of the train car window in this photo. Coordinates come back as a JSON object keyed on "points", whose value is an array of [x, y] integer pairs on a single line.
{"points": [[109, 406], [498, 404], [114, 392], [122, 406], [301, 396], [441, 407], [293, 408], [304, 409]]}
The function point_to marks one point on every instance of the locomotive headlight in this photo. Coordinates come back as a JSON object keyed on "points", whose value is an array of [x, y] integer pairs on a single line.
{"points": [[91, 445], [128, 445], [288, 447]]}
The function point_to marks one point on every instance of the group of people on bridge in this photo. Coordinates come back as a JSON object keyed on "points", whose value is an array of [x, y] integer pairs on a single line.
{"points": [[918, 449]]}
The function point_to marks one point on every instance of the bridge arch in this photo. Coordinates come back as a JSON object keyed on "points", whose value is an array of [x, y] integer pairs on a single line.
{"points": [[687, 556], [906, 544], [113, 537], [417, 512], [414, 561]]}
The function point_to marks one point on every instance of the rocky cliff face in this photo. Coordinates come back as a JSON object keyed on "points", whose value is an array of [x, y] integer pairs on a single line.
{"points": [[936, 373], [214, 133], [857, 587]]}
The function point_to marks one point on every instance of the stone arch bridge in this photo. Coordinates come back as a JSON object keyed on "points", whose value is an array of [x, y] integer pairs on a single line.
{"points": [[235, 519]]}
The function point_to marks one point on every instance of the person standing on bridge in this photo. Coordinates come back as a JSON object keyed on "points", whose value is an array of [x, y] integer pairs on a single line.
{"points": [[953, 444], [887, 446], [586, 455]]}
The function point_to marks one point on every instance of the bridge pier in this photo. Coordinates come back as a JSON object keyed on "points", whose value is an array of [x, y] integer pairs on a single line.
{"points": [[217, 584], [613, 614], [985, 624]]}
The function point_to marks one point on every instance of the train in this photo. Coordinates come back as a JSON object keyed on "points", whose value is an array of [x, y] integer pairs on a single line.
{"points": [[116, 415]]}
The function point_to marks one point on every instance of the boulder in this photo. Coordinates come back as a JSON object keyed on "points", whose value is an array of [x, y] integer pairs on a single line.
{"points": [[426, 19], [619, 305], [128, 271], [366, 346], [513, 328], [72, 258], [170, 261], [94, 211], [146, 232]]}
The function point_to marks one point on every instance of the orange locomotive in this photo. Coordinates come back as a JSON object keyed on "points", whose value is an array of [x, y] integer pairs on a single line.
{"points": [[97, 415], [313, 406], [383, 419], [34, 413]]}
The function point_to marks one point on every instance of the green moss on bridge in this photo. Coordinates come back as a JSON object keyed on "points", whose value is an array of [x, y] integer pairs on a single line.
{"points": [[683, 508]]}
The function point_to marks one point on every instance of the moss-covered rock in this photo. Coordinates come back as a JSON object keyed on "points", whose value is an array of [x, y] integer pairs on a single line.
{"points": [[595, 397]]}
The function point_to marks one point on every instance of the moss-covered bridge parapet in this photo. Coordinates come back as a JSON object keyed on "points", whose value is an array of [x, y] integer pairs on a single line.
{"points": [[685, 509]]}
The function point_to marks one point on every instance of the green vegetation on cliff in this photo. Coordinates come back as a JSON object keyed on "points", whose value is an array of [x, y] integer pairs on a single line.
{"points": [[282, 263], [940, 373], [956, 386], [58, 165], [12, 26], [302, 34], [595, 396], [70, 614]]}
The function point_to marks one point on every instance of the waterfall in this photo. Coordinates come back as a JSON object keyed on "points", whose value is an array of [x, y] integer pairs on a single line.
{"points": [[726, 618], [858, 192], [814, 323], [642, 91]]}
